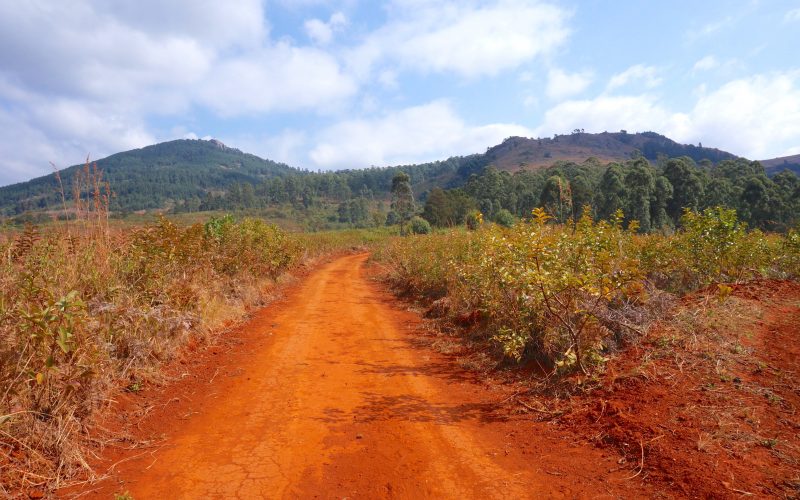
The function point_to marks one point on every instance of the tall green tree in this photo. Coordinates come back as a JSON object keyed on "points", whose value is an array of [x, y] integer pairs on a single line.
{"points": [[640, 185], [719, 192], [556, 198], [436, 210], [582, 193], [612, 193], [658, 203], [756, 202], [687, 185], [402, 198]]}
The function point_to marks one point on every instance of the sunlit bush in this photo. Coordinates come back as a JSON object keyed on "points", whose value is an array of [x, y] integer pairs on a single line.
{"points": [[562, 292]]}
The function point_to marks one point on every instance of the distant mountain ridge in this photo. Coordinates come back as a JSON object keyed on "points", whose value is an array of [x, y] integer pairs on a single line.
{"points": [[777, 165], [169, 173], [519, 152]]}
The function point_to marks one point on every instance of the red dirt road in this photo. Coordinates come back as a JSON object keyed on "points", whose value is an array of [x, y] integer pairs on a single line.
{"points": [[327, 396]]}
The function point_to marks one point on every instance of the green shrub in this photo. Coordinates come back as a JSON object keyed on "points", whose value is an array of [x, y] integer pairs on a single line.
{"points": [[788, 261], [420, 225], [716, 247], [473, 220], [504, 218], [561, 291]]}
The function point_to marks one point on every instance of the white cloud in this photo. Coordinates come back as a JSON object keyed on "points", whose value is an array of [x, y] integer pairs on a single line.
{"points": [[792, 16], [561, 85], [469, 38], [321, 32], [421, 133], [64, 132], [288, 146], [280, 78], [764, 120], [705, 64], [213, 23], [90, 54], [727, 67], [612, 113], [526, 77], [763, 123], [388, 78], [647, 75], [85, 77]]}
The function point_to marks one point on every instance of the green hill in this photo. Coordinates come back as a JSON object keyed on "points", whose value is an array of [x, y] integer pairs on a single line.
{"points": [[152, 177], [521, 152]]}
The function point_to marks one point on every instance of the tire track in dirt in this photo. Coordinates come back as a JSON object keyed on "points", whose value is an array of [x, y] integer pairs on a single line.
{"points": [[339, 403]]}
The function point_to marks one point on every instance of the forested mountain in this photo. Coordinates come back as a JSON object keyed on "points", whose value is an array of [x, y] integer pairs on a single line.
{"points": [[633, 172], [520, 152], [152, 177]]}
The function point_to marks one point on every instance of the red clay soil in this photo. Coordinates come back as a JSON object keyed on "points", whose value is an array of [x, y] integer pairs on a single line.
{"points": [[326, 394], [708, 405]]}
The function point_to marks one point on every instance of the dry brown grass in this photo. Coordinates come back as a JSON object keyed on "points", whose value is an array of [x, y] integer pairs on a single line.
{"points": [[87, 309]]}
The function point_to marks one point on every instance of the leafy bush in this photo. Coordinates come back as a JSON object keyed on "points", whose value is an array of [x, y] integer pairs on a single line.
{"points": [[423, 266], [473, 220], [543, 287], [504, 218], [420, 225], [564, 292]]}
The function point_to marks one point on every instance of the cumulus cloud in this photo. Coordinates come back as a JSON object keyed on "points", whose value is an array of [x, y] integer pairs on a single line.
{"points": [[211, 22], [646, 75], [561, 84], [288, 146], [420, 133], [321, 32], [63, 132], [634, 113], [468, 38], [87, 76], [764, 121], [87, 53], [388, 78], [279, 78]]}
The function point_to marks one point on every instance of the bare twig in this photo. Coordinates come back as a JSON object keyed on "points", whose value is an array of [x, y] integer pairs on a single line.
{"points": [[641, 462]]}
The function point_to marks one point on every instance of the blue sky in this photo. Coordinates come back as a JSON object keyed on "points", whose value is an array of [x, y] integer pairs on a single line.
{"points": [[352, 83]]}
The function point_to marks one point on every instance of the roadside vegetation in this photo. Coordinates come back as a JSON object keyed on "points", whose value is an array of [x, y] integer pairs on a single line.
{"points": [[676, 349], [89, 306], [86, 309], [567, 295]]}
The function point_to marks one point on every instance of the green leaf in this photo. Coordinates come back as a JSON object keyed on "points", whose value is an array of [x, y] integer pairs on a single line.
{"points": [[63, 339]]}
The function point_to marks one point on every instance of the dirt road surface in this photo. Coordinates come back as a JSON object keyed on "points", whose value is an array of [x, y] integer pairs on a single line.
{"points": [[329, 396]]}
